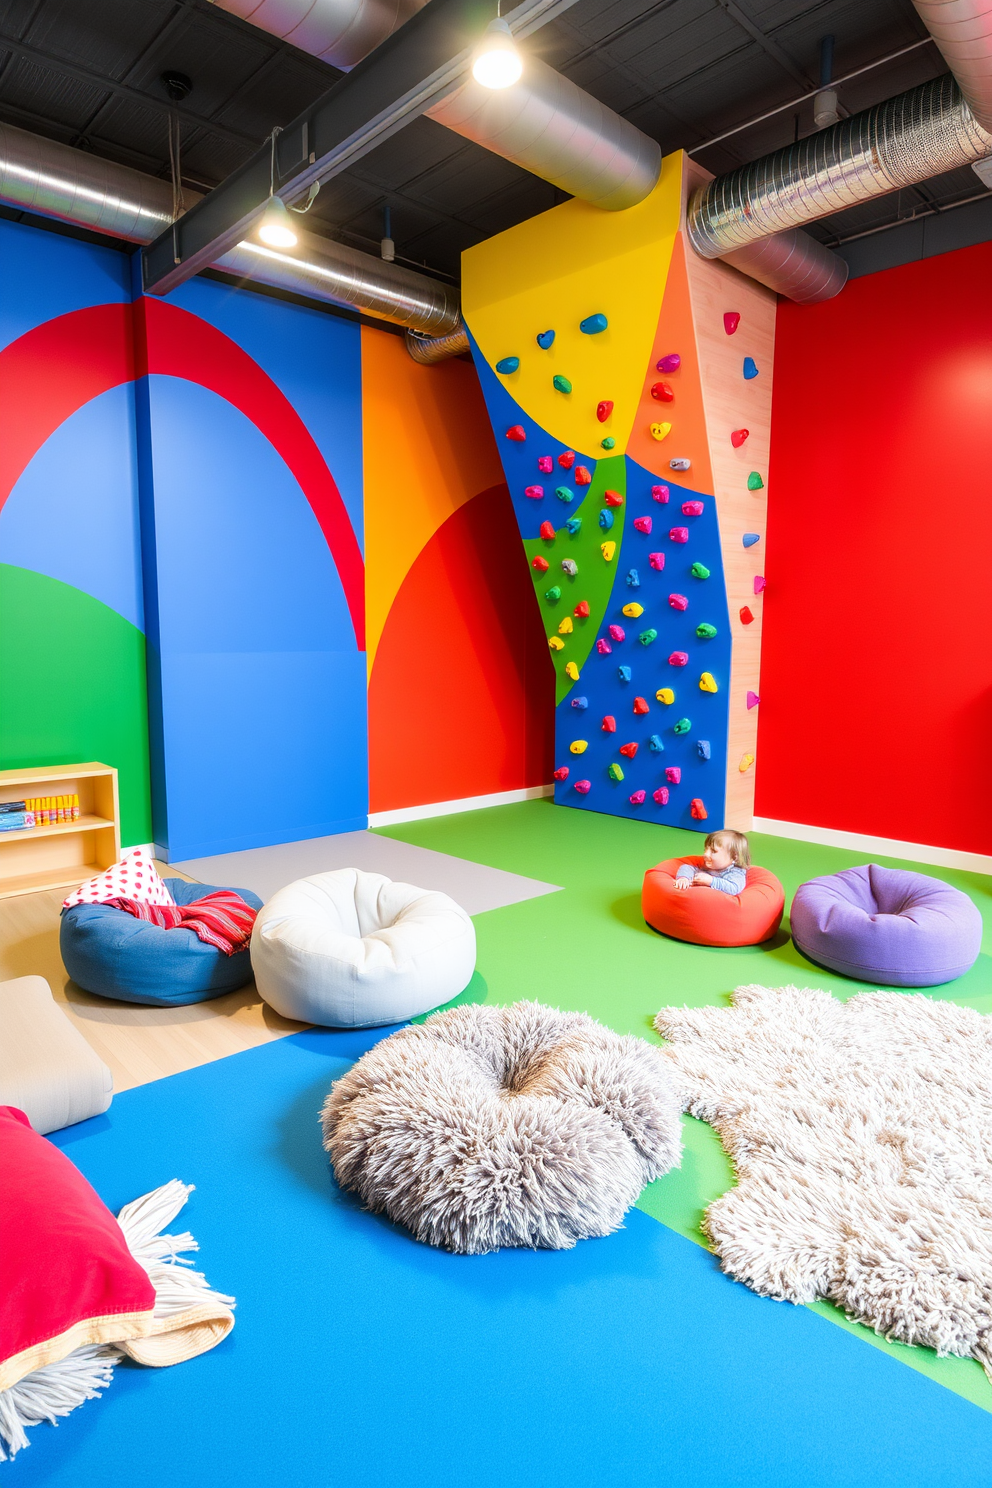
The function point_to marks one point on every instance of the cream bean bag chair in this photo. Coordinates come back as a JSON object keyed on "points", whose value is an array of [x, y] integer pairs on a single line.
{"points": [[353, 950]]}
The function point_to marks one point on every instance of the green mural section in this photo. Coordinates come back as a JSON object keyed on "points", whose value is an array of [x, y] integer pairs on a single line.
{"points": [[72, 688]]}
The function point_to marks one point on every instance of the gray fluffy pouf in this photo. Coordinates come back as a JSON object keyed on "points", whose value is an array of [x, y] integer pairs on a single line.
{"points": [[490, 1126]]}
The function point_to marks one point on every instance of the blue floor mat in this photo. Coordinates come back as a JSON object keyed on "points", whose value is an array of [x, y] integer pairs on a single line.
{"points": [[361, 1359]]}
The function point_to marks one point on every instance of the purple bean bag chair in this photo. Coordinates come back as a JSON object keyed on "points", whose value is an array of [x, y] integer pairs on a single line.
{"points": [[886, 925]]}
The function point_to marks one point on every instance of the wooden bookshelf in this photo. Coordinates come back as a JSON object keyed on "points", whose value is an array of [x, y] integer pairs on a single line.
{"points": [[61, 856]]}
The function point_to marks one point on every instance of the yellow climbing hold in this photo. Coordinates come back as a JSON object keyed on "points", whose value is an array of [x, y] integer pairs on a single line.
{"points": [[747, 760], [571, 671], [660, 431], [578, 746], [556, 643], [665, 695], [633, 610], [608, 549], [707, 683], [565, 628]]}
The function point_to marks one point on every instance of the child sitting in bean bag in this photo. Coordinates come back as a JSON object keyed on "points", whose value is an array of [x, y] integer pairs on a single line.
{"points": [[726, 859]]}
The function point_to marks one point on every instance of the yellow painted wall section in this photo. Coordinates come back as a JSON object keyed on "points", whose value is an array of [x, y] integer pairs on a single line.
{"points": [[428, 449], [535, 274]]}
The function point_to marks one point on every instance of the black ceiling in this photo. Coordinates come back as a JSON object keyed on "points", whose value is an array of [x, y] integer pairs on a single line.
{"points": [[88, 72]]}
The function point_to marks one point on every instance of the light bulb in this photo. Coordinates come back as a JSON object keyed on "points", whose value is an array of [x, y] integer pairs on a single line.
{"points": [[497, 62], [275, 228]]}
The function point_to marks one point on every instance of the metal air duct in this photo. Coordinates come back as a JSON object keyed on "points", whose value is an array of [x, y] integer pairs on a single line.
{"points": [[908, 139], [430, 349], [962, 30], [40, 175], [341, 32]]}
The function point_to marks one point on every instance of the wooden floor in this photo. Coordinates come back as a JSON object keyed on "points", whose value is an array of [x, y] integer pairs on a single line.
{"points": [[138, 1043]]}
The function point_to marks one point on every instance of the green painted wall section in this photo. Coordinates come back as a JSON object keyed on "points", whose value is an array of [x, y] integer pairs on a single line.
{"points": [[72, 688]]}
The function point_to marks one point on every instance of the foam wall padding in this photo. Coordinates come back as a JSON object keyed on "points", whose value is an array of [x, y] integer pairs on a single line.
{"points": [[631, 497]]}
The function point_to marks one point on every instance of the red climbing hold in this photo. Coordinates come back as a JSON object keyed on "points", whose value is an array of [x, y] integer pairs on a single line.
{"points": [[731, 320], [534, 492], [753, 700], [609, 724], [692, 508], [582, 476], [662, 392], [641, 705], [679, 534], [628, 750], [738, 437], [583, 787], [612, 498], [679, 658], [541, 564], [545, 464], [673, 774], [697, 809], [566, 459], [661, 795], [678, 601], [660, 493], [547, 532], [638, 798], [562, 772], [657, 560], [603, 647], [746, 616], [582, 609], [516, 432], [643, 524], [603, 410], [617, 633]]}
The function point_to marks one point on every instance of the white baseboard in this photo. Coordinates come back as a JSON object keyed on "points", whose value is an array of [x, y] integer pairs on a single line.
{"points": [[448, 808], [888, 847]]}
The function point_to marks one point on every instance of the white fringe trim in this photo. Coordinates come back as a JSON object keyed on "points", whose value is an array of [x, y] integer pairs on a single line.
{"points": [[56, 1389]]}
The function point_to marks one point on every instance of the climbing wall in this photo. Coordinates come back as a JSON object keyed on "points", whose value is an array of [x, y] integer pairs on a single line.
{"points": [[634, 438]]}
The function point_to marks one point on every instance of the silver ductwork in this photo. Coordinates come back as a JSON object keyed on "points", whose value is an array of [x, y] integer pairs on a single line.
{"points": [[341, 32], [908, 139], [430, 349], [794, 265], [551, 127], [962, 30], [40, 175]]}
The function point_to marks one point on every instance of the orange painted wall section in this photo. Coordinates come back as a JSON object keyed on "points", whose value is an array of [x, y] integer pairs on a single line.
{"points": [[461, 689]]}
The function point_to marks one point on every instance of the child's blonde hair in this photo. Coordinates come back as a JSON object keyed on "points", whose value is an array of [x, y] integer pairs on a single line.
{"points": [[735, 843]]}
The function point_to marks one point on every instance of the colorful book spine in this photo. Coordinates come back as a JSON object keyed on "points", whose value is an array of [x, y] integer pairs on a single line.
{"points": [[40, 811]]}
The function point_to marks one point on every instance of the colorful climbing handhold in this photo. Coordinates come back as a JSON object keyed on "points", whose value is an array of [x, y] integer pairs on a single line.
{"points": [[660, 493], [561, 384], [660, 796], [583, 787], [566, 459], [633, 610], [579, 746], [647, 636], [580, 702], [673, 774], [564, 494], [698, 810], [556, 643], [665, 695], [699, 571], [615, 772], [679, 658], [603, 410], [657, 560], [534, 492], [679, 534], [603, 647], [750, 368], [565, 626], [545, 464], [731, 320], [541, 564], [707, 682], [660, 431], [759, 583], [623, 672], [662, 392], [641, 705], [553, 594], [670, 363], [593, 324], [609, 724], [571, 671], [545, 339], [582, 476], [606, 519], [750, 538], [642, 524], [569, 566], [754, 482], [613, 498], [638, 798], [633, 578], [582, 609], [682, 727], [678, 601], [516, 433], [628, 750], [692, 508], [680, 464], [506, 365], [608, 549], [753, 699], [738, 437], [617, 633], [747, 760], [562, 771], [703, 748], [746, 615], [655, 744], [573, 525], [706, 631], [607, 443], [547, 532]]}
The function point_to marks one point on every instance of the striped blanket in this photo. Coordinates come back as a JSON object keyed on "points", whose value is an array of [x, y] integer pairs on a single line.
{"points": [[222, 919]]}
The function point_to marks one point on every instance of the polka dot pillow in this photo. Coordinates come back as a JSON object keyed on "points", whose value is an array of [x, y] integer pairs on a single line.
{"points": [[134, 877]]}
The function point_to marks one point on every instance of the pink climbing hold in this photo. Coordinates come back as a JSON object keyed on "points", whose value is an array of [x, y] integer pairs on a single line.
{"points": [[759, 583], [638, 798], [678, 601], [603, 410], [697, 809], [662, 392], [753, 700], [731, 320], [547, 532], [670, 363], [609, 724], [612, 498], [673, 775], [516, 433], [746, 616], [583, 787], [534, 492], [545, 464], [617, 633], [679, 658], [660, 796], [660, 493], [738, 437], [562, 772], [582, 609], [679, 534], [657, 560], [566, 459], [642, 524], [628, 750], [582, 476], [692, 508], [603, 647], [641, 705], [541, 564]]}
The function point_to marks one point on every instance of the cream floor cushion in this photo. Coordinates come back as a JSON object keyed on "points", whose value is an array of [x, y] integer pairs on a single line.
{"points": [[354, 950], [47, 1069]]}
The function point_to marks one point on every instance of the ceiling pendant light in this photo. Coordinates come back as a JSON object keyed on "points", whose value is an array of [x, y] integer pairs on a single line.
{"points": [[275, 228], [497, 63]]}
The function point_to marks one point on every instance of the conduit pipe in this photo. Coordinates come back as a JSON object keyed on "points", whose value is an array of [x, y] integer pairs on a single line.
{"points": [[54, 180]]}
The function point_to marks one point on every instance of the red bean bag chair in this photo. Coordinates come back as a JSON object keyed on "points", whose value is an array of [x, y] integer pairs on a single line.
{"points": [[707, 917]]}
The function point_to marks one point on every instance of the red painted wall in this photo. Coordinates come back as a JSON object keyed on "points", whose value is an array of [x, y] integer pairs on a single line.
{"points": [[876, 712]]}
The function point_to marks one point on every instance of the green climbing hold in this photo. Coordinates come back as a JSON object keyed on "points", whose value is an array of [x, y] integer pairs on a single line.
{"points": [[552, 594], [699, 571], [607, 443], [647, 636], [705, 632], [561, 384], [683, 726], [615, 772], [564, 494], [754, 481]]}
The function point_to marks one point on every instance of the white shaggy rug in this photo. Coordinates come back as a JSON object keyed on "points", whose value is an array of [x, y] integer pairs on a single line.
{"points": [[861, 1134]]}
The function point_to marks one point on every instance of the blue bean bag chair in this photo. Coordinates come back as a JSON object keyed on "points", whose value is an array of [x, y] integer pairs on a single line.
{"points": [[112, 954]]}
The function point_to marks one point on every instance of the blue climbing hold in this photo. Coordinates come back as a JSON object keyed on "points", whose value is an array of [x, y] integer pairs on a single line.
{"points": [[593, 324], [574, 525], [580, 702], [703, 748], [606, 519], [623, 673], [563, 493], [510, 364], [750, 538], [655, 743], [750, 368], [545, 339], [633, 579]]}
